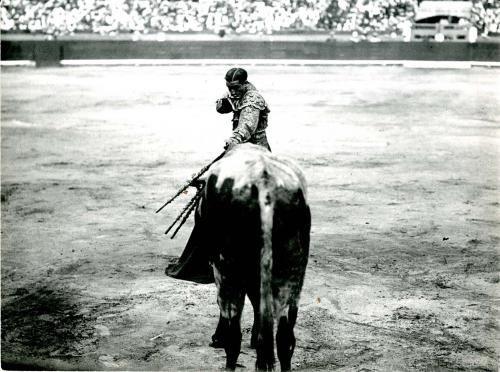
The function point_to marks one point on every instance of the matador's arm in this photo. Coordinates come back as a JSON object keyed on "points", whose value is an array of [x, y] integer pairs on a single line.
{"points": [[247, 124]]}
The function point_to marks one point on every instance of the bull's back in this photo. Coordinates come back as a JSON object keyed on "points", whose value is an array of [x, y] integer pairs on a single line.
{"points": [[250, 164]]}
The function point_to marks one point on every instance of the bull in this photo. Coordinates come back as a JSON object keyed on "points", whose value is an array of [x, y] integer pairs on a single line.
{"points": [[256, 221]]}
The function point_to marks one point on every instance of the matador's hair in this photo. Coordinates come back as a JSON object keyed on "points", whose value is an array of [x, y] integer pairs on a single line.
{"points": [[236, 74]]}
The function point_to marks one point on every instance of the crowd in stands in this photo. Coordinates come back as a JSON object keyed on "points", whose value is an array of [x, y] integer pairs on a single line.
{"points": [[109, 17], [368, 16], [486, 16]]}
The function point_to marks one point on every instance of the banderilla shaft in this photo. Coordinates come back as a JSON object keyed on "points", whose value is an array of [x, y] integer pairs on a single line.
{"points": [[188, 206], [189, 182], [186, 216]]}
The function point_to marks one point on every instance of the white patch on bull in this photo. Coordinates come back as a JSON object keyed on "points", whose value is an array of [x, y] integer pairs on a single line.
{"points": [[247, 162], [266, 259], [218, 281], [217, 275], [281, 301]]}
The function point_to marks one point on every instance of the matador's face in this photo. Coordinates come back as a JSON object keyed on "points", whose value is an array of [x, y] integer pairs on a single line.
{"points": [[236, 89]]}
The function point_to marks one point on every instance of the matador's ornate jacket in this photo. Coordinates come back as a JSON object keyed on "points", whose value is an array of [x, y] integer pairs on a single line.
{"points": [[250, 114]]}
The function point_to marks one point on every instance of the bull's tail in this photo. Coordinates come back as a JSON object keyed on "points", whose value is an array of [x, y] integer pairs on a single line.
{"points": [[265, 341]]}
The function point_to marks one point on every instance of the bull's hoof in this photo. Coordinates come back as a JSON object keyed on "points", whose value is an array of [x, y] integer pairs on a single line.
{"points": [[264, 369], [216, 343], [237, 365]]}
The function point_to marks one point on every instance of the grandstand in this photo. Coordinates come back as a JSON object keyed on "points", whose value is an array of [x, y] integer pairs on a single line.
{"points": [[366, 18], [53, 31]]}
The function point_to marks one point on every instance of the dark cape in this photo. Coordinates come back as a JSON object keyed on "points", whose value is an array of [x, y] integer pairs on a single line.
{"points": [[193, 265]]}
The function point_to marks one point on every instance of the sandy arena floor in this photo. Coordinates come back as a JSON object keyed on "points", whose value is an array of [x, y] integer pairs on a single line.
{"points": [[403, 171]]}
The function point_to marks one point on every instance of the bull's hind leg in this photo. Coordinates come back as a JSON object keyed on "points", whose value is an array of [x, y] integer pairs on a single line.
{"points": [[285, 338], [231, 316], [231, 299], [254, 297], [220, 332]]}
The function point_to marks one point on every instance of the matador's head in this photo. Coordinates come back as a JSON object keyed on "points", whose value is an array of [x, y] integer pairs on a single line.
{"points": [[235, 82]]}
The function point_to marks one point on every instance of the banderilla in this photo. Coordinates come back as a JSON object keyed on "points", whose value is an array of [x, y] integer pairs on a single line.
{"points": [[189, 182], [192, 207], [186, 212]]}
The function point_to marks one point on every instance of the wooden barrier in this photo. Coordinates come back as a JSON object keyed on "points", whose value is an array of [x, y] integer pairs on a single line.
{"points": [[51, 52]]}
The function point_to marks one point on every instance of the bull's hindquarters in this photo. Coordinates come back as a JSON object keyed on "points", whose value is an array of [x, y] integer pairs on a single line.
{"points": [[257, 227]]}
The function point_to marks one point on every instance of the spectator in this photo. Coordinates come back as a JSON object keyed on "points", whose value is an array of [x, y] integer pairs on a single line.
{"points": [[366, 17]]}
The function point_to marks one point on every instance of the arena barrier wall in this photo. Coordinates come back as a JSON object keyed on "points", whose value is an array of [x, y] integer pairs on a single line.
{"points": [[51, 52]]}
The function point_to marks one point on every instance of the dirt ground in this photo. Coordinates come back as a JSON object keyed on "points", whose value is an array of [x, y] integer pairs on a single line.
{"points": [[403, 173]]}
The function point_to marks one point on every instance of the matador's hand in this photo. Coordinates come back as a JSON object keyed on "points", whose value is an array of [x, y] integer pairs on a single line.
{"points": [[230, 143]]}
